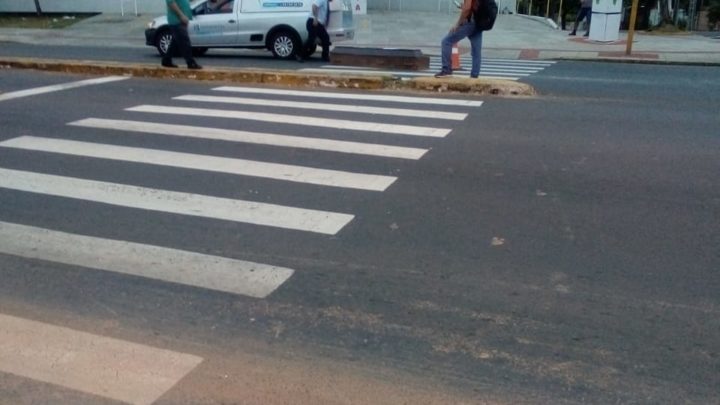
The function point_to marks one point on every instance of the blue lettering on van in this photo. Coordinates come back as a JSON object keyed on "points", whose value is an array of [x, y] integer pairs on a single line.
{"points": [[282, 4]]}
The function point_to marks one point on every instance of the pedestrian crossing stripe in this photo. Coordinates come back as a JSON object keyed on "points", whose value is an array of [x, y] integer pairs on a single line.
{"points": [[110, 368], [506, 69], [154, 262], [321, 144], [436, 101], [297, 120], [326, 107], [276, 171], [174, 202]]}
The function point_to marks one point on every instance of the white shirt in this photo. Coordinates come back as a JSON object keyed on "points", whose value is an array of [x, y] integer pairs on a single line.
{"points": [[322, 14]]}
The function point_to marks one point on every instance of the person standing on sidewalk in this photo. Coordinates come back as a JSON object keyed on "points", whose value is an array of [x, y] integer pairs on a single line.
{"points": [[179, 15], [465, 27], [316, 27], [585, 12]]}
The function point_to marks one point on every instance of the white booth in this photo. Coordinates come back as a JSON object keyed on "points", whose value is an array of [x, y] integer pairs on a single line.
{"points": [[605, 21]]}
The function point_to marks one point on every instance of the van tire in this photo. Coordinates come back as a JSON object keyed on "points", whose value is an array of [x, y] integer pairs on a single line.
{"points": [[284, 44]]}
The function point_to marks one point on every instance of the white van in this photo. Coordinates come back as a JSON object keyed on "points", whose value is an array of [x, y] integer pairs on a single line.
{"points": [[276, 25]]}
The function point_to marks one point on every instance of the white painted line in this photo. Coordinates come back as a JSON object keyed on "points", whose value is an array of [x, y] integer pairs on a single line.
{"points": [[297, 120], [59, 87], [353, 96], [297, 174], [159, 263], [176, 202], [406, 74], [498, 68], [111, 368], [330, 145], [400, 112]]}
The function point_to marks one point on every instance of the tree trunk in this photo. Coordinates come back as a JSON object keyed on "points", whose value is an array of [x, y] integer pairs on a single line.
{"points": [[37, 7]]}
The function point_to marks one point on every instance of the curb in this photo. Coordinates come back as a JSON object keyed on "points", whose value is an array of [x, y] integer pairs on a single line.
{"points": [[277, 77]]}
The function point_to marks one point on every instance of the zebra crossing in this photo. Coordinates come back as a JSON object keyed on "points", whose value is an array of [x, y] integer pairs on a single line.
{"points": [[229, 103], [507, 69], [140, 374]]}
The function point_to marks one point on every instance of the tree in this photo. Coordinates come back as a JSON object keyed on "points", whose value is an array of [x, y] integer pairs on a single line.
{"points": [[37, 7], [713, 15]]}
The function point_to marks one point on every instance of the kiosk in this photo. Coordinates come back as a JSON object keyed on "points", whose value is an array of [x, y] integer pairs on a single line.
{"points": [[605, 21]]}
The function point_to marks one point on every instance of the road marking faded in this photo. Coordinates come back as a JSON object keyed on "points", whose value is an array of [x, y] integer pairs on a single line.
{"points": [[297, 120], [297, 174], [399, 112], [261, 138], [111, 368], [353, 96], [59, 87], [155, 262], [176, 202]]}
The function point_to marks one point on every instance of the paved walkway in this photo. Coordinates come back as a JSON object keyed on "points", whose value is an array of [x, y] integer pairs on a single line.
{"points": [[514, 36]]}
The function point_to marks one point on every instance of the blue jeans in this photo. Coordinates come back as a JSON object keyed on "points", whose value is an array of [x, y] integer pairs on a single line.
{"points": [[475, 37]]}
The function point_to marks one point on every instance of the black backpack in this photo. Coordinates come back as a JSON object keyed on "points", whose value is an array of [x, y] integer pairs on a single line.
{"points": [[484, 14]]}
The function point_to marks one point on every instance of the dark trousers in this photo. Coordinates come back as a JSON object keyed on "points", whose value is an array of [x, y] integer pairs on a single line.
{"points": [[180, 44], [315, 32], [584, 12]]}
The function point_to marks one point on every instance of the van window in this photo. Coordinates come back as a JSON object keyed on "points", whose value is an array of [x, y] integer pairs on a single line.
{"points": [[219, 6]]}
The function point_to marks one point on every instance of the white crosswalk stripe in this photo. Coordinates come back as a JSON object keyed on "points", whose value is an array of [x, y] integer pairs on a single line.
{"points": [[175, 202], [299, 174], [327, 107], [508, 69], [110, 368], [159, 263], [352, 96], [297, 120], [330, 145]]}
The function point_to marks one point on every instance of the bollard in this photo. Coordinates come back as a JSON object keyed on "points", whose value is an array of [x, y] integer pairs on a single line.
{"points": [[455, 57]]}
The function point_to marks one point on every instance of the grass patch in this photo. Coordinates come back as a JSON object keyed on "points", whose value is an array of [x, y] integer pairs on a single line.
{"points": [[46, 20]]}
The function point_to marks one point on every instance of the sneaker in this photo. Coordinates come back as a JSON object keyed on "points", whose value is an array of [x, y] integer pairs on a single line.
{"points": [[587, 34], [299, 58], [168, 65], [572, 34], [443, 74], [194, 66]]}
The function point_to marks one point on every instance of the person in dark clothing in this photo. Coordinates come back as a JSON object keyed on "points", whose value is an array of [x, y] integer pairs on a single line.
{"points": [[585, 11], [179, 15], [316, 27]]}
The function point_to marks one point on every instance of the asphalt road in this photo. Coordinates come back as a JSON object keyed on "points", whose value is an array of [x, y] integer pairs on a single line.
{"points": [[557, 249]]}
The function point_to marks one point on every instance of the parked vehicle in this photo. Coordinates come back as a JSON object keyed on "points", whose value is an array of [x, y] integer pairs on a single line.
{"points": [[276, 25]]}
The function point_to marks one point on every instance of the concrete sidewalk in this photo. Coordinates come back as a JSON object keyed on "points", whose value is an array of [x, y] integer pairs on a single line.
{"points": [[514, 37]]}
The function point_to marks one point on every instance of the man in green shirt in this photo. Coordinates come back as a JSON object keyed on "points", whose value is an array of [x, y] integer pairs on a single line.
{"points": [[179, 15]]}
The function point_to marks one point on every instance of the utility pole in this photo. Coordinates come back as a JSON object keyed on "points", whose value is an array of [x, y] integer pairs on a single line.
{"points": [[547, 9], [37, 7], [631, 27]]}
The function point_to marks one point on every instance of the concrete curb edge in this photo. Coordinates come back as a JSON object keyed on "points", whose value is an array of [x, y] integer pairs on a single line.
{"points": [[277, 77]]}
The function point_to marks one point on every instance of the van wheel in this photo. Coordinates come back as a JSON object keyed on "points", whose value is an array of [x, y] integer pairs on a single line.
{"points": [[284, 44], [162, 41]]}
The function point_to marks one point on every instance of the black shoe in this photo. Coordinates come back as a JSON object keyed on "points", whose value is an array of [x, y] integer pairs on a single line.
{"points": [[299, 58], [443, 73], [194, 66], [587, 34], [325, 59], [572, 34], [168, 64]]}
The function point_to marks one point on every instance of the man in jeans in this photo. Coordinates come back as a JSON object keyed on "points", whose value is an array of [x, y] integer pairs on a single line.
{"points": [[585, 11], [316, 27], [179, 15], [465, 27]]}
